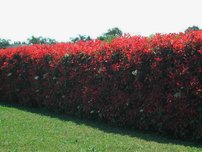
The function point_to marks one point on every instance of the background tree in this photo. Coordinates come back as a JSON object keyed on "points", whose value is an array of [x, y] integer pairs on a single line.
{"points": [[80, 38], [192, 28], [40, 40], [4, 43], [111, 34], [114, 32], [18, 43]]}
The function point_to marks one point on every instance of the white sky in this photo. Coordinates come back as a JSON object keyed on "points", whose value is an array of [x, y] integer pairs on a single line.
{"points": [[62, 19]]}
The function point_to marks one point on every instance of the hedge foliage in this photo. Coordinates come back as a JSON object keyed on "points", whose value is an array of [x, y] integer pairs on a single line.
{"points": [[139, 82]]}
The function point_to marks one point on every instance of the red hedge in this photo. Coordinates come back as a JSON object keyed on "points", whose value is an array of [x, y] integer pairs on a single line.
{"points": [[139, 82]]}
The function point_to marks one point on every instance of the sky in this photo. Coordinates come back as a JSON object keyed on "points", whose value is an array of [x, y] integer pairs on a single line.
{"points": [[62, 19]]}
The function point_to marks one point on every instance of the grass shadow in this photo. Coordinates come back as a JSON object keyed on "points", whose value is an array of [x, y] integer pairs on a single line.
{"points": [[148, 136]]}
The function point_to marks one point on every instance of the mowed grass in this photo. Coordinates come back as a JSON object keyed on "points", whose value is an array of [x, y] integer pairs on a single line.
{"points": [[26, 129]]}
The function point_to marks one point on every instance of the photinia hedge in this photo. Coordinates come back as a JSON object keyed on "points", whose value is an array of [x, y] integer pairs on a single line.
{"points": [[149, 83]]}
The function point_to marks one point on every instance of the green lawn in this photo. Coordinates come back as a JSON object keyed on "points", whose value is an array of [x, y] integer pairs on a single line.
{"points": [[26, 129]]}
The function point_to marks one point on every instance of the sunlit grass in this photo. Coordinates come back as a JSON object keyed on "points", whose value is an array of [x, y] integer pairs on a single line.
{"points": [[26, 129]]}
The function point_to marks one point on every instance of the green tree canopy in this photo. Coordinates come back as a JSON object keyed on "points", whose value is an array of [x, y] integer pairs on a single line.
{"points": [[4, 43], [40, 40], [80, 38], [111, 34], [192, 28]]}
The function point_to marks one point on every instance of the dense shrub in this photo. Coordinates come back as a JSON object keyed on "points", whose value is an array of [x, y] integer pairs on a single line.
{"points": [[139, 82]]}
